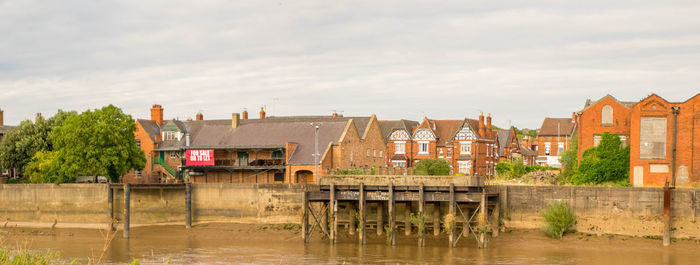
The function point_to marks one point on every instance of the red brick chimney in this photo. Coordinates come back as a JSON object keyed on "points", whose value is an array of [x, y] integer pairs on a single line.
{"points": [[245, 115], [262, 113], [488, 125], [199, 116], [334, 115], [573, 117], [157, 114], [481, 124], [2, 117]]}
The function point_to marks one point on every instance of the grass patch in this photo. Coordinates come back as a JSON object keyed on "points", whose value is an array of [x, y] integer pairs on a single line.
{"points": [[559, 219]]}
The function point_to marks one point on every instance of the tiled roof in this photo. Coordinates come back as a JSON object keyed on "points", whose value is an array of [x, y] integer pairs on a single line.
{"points": [[389, 126], [151, 128], [556, 126], [6, 128], [503, 140], [627, 104]]}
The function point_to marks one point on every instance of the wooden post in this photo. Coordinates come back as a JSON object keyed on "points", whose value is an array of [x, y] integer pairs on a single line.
{"points": [[352, 226], [692, 207], [324, 218], [421, 213], [188, 205], [332, 210], [407, 221], [436, 219], [305, 218], [380, 218], [363, 214], [127, 202], [453, 214], [667, 216], [110, 202], [482, 218], [495, 222], [392, 214]]}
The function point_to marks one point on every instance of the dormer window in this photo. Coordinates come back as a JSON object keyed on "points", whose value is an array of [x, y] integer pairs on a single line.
{"points": [[169, 135]]}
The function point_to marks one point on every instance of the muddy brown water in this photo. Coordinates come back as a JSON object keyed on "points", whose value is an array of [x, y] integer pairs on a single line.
{"points": [[273, 244]]}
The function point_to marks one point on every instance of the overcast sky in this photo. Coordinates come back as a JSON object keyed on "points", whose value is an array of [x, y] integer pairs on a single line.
{"points": [[519, 60]]}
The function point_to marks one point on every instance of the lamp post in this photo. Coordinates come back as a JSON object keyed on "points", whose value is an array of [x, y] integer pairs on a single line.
{"points": [[316, 127]]}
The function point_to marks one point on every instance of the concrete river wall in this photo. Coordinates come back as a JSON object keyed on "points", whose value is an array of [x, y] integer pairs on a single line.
{"points": [[599, 210]]}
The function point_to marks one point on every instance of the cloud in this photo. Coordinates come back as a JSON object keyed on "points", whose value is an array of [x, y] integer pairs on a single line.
{"points": [[399, 59]]}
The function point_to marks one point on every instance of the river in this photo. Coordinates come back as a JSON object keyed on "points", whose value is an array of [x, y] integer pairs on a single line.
{"points": [[273, 244]]}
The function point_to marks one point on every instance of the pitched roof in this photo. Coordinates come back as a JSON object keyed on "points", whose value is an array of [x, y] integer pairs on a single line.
{"points": [[627, 104], [361, 122], [151, 128], [388, 127], [556, 126], [6, 128], [527, 151], [446, 130], [503, 140]]}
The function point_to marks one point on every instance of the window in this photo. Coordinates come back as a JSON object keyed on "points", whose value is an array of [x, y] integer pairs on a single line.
{"points": [[138, 143], [652, 138], [623, 141], [375, 152], [466, 148], [381, 153], [400, 147], [422, 147], [367, 152], [279, 177], [547, 148], [465, 167], [399, 163], [276, 155], [173, 154], [171, 135], [350, 155], [449, 153], [441, 153], [137, 173], [607, 115], [560, 148]]}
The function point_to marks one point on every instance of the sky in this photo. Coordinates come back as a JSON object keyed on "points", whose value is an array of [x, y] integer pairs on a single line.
{"points": [[521, 61]]}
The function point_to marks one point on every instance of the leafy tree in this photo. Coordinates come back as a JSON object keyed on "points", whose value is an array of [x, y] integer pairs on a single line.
{"points": [[45, 167], [569, 161], [21, 144], [98, 143], [433, 167], [607, 162]]}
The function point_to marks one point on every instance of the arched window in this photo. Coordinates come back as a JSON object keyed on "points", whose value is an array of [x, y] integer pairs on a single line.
{"points": [[607, 115]]}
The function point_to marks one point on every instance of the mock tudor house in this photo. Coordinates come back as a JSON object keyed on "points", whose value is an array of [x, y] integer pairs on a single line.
{"points": [[553, 139], [469, 146], [397, 135], [264, 150]]}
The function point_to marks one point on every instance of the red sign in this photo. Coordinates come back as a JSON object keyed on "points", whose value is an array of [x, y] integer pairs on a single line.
{"points": [[200, 157]]}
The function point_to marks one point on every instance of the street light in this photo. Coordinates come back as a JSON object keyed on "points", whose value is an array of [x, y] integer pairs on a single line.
{"points": [[316, 127]]}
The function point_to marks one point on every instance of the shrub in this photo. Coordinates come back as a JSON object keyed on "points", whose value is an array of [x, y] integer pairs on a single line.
{"points": [[607, 162], [354, 171], [503, 168], [432, 167], [559, 219]]}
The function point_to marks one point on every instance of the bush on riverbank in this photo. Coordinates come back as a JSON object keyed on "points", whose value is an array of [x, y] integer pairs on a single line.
{"points": [[432, 167], [607, 162], [559, 219], [516, 169], [25, 257]]}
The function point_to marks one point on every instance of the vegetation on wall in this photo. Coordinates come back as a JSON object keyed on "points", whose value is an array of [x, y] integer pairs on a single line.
{"points": [[516, 169], [608, 162], [432, 167]]}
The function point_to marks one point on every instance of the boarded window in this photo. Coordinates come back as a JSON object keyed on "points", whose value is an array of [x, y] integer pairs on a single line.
{"points": [[607, 115], [279, 177], [652, 138]]}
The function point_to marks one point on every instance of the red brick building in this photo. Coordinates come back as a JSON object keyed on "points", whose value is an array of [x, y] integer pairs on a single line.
{"points": [[553, 139], [468, 145], [658, 127], [604, 115], [510, 147], [264, 150]]}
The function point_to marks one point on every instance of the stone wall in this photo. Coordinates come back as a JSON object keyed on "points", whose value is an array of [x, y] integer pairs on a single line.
{"points": [[601, 210]]}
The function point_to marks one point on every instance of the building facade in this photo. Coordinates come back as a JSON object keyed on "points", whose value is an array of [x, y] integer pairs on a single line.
{"points": [[553, 139], [604, 115]]}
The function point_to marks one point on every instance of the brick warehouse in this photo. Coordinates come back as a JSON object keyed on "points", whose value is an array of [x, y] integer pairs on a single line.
{"points": [[604, 115], [264, 150], [468, 145]]}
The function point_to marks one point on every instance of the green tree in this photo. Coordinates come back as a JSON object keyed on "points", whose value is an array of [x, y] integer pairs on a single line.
{"points": [[433, 167], [21, 144], [98, 143], [607, 162], [569, 161], [45, 167]]}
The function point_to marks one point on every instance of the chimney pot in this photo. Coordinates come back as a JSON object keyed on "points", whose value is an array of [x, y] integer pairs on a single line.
{"points": [[262, 113], [235, 120], [481, 125], [199, 116], [245, 115], [334, 115], [488, 124], [157, 114]]}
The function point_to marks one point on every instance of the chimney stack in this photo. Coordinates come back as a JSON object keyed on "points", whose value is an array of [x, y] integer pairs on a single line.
{"points": [[262, 113], [157, 114], [235, 120], [245, 115], [199, 116], [334, 115], [481, 124], [573, 117], [488, 124], [2, 117]]}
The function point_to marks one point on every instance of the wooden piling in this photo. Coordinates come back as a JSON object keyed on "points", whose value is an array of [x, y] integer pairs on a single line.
{"points": [[392, 214], [482, 219], [436, 219], [451, 234], [667, 216], [495, 222], [380, 218], [332, 209], [110, 202], [363, 215], [127, 204], [407, 220], [421, 213], [188, 205], [352, 226], [305, 217]]}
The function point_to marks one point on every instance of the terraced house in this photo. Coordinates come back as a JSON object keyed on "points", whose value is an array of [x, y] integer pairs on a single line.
{"points": [[264, 150], [468, 145]]}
